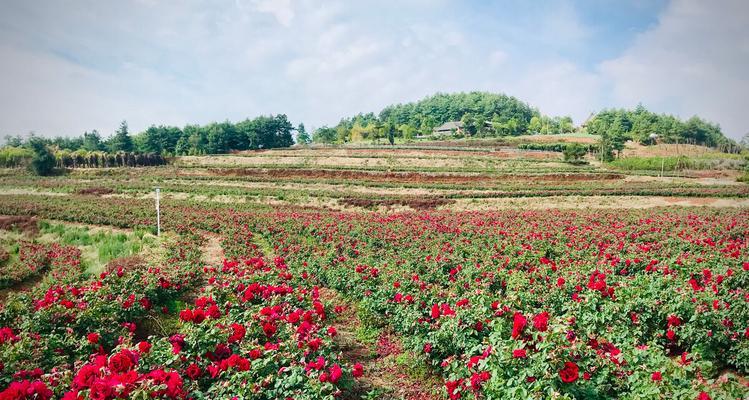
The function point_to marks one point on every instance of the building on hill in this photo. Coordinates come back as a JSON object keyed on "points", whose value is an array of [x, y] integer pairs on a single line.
{"points": [[448, 128]]}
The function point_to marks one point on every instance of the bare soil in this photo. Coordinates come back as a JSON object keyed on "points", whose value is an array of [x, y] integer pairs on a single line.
{"points": [[129, 263], [414, 203], [94, 191], [25, 224], [586, 202], [213, 253], [381, 373], [406, 177]]}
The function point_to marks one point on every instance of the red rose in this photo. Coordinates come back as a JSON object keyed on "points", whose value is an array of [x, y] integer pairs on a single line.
{"points": [[93, 338], [541, 321], [703, 396], [193, 371], [101, 390], [238, 333], [86, 377], [335, 373], [198, 316], [569, 373], [657, 376], [435, 311], [478, 378], [519, 353], [518, 324], [144, 347], [453, 388], [36, 390], [269, 329], [120, 363], [358, 370], [671, 335], [186, 315]]}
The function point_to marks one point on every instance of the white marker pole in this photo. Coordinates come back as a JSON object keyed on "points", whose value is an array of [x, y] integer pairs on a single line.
{"points": [[662, 164], [158, 213]]}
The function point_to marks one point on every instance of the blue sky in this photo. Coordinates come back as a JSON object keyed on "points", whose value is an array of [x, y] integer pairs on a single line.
{"points": [[81, 65]]}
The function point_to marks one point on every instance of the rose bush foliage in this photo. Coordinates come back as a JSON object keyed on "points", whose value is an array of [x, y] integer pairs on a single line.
{"points": [[515, 304]]}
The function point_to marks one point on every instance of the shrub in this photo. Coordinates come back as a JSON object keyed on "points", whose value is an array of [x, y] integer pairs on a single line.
{"points": [[574, 152], [43, 161]]}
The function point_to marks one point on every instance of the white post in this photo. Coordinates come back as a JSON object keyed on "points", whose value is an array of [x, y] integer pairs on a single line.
{"points": [[662, 160], [158, 213]]}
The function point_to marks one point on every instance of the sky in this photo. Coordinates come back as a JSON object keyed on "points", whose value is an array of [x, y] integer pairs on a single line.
{"points": [[72, 66]]}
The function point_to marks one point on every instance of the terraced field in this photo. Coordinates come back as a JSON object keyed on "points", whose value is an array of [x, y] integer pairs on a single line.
{"points": [[358, 273]]}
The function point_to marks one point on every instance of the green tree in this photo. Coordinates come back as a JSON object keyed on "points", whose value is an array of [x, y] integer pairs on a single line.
{"points": [[535, 124], [324, 134], [14, 141], [343, 134], [407, 131], [43, 161], [512, 126], [92, 141], [469, 123], [302, 136], [566, 125], [574, 152], [121, 141], [745, 141]]}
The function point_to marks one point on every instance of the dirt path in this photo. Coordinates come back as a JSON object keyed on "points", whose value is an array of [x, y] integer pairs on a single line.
{"points": [[384, 377], [213, 253], [586, 202]]}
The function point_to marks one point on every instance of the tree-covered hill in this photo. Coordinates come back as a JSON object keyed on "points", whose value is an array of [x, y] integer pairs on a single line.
{"points": [[481, 113]]}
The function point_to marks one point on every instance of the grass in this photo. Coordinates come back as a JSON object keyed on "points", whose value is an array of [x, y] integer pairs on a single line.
{"points": [[674, 163], [98, 246], [367, 335]]}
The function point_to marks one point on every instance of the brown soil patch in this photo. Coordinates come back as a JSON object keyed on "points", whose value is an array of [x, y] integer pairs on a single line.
{"points": [[23, 286], [381, 373], [27, 225], [667, 150], [416, 204], [593, 202], [94, 191], [695, 201], [129, 263], [213, 253], [405, 177]]}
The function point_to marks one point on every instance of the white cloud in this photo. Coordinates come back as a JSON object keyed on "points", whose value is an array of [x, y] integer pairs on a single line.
{"points": [[281, 9], [694, 62], [497, 58], [559, 87]]}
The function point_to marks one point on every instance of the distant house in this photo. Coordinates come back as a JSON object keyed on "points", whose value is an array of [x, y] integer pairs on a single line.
{"points": [[448, 128]]}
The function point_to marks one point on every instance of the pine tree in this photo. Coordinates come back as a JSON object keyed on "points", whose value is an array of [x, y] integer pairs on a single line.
{"points": [[121, 141]]}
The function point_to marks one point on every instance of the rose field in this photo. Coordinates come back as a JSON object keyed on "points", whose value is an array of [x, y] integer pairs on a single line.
{"points": [[272, 285]]}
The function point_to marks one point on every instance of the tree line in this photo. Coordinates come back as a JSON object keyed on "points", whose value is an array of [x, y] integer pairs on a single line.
{"points": [[264, 132], [646, 127], [485, 114], [148, 148]]}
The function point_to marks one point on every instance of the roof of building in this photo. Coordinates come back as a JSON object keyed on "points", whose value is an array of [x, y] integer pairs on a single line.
{"points": [[448, 126]]}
